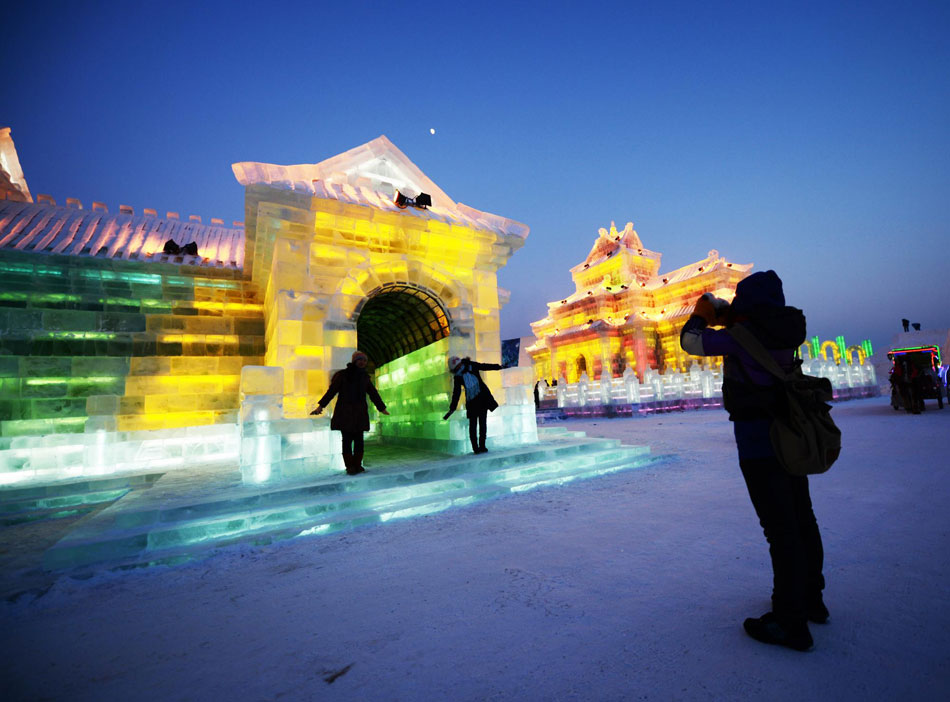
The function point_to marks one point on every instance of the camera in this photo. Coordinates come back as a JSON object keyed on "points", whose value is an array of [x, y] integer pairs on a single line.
{"points": [[720, 305]]}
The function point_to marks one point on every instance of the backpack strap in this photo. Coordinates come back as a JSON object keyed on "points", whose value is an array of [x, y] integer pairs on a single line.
{"points": [[747, 340]]}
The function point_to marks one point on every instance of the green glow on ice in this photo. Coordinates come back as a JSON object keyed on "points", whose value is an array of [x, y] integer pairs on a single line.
{"points": [[84, 335], [93, 380], [416, 389]]}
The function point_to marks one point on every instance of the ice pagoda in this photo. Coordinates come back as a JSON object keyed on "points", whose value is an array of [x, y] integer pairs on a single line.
{"points": [[624, 313]]}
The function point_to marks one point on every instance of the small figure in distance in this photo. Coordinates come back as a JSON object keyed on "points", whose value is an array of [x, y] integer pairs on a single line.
{"points": [[781, 500], [351, 416], [478, 398]]}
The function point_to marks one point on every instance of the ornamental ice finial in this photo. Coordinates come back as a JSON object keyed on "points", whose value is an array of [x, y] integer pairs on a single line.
{"points": [[713, 254]]}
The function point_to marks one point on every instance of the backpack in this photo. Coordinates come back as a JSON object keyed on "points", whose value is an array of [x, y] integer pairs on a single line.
{"points": [[804, 436]]}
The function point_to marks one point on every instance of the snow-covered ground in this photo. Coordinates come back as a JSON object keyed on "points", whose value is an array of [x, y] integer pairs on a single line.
{"points": [[627, 587]]}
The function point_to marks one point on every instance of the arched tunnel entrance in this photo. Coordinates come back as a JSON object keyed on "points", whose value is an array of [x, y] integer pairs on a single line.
{"points": [[396, 319], [406, 332]]}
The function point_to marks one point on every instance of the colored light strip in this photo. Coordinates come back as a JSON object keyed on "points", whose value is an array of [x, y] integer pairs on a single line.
{"points": [[84, 335], [916, 349], [203, 338], [94, 380]]}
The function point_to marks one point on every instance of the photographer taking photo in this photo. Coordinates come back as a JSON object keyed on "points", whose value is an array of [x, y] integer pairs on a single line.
{"points": [[781, 500]]}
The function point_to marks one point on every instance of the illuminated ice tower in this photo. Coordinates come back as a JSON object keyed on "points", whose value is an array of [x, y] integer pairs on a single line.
{"points": [[624, 312], [350, 255]]}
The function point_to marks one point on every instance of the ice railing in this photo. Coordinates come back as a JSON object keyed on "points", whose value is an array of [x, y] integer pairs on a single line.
{"points": [[695, 384]]}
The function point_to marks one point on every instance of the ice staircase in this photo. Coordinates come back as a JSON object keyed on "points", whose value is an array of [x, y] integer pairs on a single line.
{"points": [[165, 523], [67, 499]]}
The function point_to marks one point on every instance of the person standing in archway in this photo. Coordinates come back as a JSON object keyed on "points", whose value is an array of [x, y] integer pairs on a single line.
{"points": [[478, 398], [351, 416]]}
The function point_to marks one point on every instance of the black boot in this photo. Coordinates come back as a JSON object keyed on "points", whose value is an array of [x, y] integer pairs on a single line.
{"points": [[816, 610], [770, 629], [358, 463], [350, 464]]}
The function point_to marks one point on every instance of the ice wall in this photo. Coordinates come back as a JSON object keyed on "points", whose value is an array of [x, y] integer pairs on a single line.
{"points": [[417, 389]]}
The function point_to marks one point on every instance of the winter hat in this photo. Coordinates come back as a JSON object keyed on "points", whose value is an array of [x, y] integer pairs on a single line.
{"points": [[762, 289], [454, 362]]}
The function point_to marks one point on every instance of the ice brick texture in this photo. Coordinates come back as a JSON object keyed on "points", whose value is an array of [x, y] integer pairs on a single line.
{"points": [[323, 265], [119, 346]]}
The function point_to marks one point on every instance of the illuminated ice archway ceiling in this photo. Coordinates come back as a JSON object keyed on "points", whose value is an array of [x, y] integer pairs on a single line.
{"points": [[397, 319]]}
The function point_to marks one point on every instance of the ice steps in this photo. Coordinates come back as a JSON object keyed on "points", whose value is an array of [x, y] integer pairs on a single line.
{"points": [[315, 510], [19, 505], [172, 533], [532, 459]]}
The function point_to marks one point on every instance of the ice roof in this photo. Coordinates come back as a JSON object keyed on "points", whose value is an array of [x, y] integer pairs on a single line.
{"points": [[370, 175], [712, 262]]}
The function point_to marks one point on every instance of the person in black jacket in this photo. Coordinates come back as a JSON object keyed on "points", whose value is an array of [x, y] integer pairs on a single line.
{"points": [[351, 416], [478, 398], [781, 500]]}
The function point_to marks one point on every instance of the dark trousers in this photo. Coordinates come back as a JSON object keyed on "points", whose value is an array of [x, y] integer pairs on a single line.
{"points": [[478, 419], [783, 506], [352, 447]]}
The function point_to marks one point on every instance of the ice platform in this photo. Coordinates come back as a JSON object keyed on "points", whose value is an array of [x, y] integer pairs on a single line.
{"points": [[184, 514]]}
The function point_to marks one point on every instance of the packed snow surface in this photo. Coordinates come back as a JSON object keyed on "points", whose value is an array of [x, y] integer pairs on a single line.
{"points": [[626, 587]]}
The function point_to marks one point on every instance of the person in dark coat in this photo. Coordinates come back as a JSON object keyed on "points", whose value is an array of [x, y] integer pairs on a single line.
{"points": [[478, 398], [781, 500], [351, 416]]}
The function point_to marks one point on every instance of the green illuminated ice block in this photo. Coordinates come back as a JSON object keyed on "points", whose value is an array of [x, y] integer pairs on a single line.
{"points": [[417, 389]]}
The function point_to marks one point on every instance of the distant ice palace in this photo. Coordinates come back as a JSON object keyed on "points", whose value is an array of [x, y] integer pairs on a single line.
{"points": [[611, 347], [624, 313]]}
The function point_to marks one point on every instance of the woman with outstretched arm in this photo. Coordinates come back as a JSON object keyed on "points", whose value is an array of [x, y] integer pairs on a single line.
{"points": [[478, 398]]}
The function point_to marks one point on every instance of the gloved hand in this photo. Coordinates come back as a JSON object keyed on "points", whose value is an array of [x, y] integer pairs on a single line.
{"points": [[704, 308], [317, 411], [447, 415]]}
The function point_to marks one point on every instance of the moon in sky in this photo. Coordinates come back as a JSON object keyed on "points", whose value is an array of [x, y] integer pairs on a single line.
{"points": [[432, 131]]}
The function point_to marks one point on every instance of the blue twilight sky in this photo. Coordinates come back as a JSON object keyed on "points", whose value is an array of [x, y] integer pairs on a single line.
{"points": [[808, 137]]}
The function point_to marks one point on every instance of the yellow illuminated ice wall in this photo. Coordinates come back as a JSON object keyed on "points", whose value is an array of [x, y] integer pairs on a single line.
{"points": [[341, 268], [624, 312]]}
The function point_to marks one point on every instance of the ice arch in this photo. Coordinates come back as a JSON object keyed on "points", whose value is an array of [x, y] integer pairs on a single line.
{"points": [[398, 318]]}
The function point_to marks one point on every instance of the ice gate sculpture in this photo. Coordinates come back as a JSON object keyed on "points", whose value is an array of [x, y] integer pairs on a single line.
{"points": [[116, 356]]}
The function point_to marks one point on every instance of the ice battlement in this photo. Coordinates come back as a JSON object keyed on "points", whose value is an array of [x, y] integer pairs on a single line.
{"points": [[97, 206], [72, 230]]}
